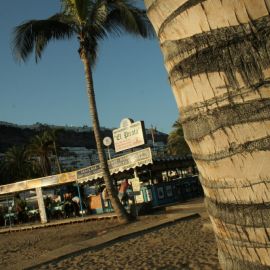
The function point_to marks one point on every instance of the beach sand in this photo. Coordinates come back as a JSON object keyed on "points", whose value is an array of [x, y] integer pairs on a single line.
{"points": [[186, 244]]}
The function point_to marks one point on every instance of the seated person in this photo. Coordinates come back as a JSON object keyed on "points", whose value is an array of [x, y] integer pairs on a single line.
{"points": [[122, 193], [76, 203]]}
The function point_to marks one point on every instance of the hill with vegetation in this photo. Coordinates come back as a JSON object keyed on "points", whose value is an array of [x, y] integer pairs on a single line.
{"points": [[12, 134]]}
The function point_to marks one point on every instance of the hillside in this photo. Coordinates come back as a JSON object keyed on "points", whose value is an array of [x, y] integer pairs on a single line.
{"points": [[11, 134]]}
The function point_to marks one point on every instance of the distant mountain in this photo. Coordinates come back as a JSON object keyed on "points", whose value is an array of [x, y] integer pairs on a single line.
{"points": [[68, 136]]}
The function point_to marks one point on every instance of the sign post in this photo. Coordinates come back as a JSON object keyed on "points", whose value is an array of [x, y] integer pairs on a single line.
{"points": [[107, 141], [80, 197], [136, 188]]}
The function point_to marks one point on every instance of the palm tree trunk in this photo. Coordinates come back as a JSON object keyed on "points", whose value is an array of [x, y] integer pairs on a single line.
{"points": [[112, 191], [46, 165], [42, 165], [57, 158], [217, 57]]}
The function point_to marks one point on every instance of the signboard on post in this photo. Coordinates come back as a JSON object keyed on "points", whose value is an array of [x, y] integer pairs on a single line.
{"points": [[116, 165], [119, 164], [135, 183], [129, 135]]}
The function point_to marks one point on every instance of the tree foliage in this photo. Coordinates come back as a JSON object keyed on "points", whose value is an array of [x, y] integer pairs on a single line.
{"points": [[29, 161], [17, 165], [176, 141], [89, 20]]}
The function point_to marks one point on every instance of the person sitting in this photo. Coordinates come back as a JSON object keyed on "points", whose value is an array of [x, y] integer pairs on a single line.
{"points": [[68, 206], [48, 207], [20, 206], [76, 204], [106, 199], [122, 193]]}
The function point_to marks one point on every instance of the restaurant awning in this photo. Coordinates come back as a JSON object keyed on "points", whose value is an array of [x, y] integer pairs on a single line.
{"points": [[117, 165]]}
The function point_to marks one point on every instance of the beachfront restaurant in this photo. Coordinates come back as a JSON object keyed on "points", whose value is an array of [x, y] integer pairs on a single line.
{"points": [[153, 182]]}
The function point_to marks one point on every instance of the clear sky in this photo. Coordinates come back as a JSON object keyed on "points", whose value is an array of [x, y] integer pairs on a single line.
{"points": [[130, 78]]}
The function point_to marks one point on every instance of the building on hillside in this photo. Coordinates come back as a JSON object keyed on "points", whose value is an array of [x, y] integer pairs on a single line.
{"points": [[72, 158], [77, 143]]}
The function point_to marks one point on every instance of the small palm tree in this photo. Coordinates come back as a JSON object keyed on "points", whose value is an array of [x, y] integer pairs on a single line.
{"points": [[16, 165], [176, 141], [41, 148], [90, 21], [51, 135]]}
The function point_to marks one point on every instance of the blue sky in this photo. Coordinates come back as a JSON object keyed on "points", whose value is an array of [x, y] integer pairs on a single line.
{"points": [[130, 78]]}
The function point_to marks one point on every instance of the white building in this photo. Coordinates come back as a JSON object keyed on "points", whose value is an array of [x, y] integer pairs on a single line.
{"points": [[73, 158]]}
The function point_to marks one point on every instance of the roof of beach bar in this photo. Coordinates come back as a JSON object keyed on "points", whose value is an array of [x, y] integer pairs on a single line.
{"points": [[137, 159]]}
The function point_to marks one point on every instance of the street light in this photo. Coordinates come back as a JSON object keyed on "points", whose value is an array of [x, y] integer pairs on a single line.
{"points": [[107, 141]]}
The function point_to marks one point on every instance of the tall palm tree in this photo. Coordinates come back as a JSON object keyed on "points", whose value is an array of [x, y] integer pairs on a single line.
{"points": [[41, 148], [51, 135], [176, 142], [217, 56], [90, 21]]}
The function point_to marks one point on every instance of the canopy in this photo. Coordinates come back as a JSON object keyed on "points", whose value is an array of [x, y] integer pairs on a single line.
{"points": [[120, 164], [116, 165]]}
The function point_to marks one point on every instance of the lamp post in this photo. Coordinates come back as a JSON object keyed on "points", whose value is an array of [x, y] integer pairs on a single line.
{"points": [[80, 197], [107, 141]]}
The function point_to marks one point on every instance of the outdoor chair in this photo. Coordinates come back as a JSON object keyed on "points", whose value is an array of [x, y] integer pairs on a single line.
{"points": [[10, 219]]}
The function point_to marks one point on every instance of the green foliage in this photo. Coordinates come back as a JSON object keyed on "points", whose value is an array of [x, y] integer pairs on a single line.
{"points": [[41, 148], [33, 160], [89, 20], [34, 35], [176, 141], [17, 165]]}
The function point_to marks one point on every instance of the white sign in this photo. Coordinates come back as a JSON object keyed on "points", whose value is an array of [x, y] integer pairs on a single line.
{"points": [[128, 137], [107, 141], [126, 122], [135, 183]]}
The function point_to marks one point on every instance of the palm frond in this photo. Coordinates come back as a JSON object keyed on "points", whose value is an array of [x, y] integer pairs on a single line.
{"points": [[16, 164], [34, 35], [93, 50], [114, 17], [94, 30], [98, 13], [125, 16], [81, 9]]}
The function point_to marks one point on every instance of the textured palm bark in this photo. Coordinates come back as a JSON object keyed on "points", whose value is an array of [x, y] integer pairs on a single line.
{"points": [[217, 57], [112, 192], [45, 165], [56, 157]]}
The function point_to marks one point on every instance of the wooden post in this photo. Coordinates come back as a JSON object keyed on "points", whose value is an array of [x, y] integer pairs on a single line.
{"points": [[135, 173], [41, 206]]}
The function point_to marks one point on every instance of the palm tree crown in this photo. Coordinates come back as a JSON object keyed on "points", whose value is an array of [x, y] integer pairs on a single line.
{"points": [[41, 147], [16, 165], [89, 20], [176, 141]]}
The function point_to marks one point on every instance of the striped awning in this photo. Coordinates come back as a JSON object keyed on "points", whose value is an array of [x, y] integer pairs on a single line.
{"points": [[91, 173]]}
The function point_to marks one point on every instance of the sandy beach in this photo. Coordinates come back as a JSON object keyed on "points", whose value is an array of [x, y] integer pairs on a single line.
{"points": [[186, 244]]}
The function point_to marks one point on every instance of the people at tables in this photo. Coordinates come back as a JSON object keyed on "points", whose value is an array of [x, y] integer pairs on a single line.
{"points": [[106, 199], [122, 192], [76, 204], [20, 208], [68, 206], [48, 206]]}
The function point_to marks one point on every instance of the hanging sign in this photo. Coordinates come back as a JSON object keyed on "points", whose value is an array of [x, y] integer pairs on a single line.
{"points": [[129, 135]]}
